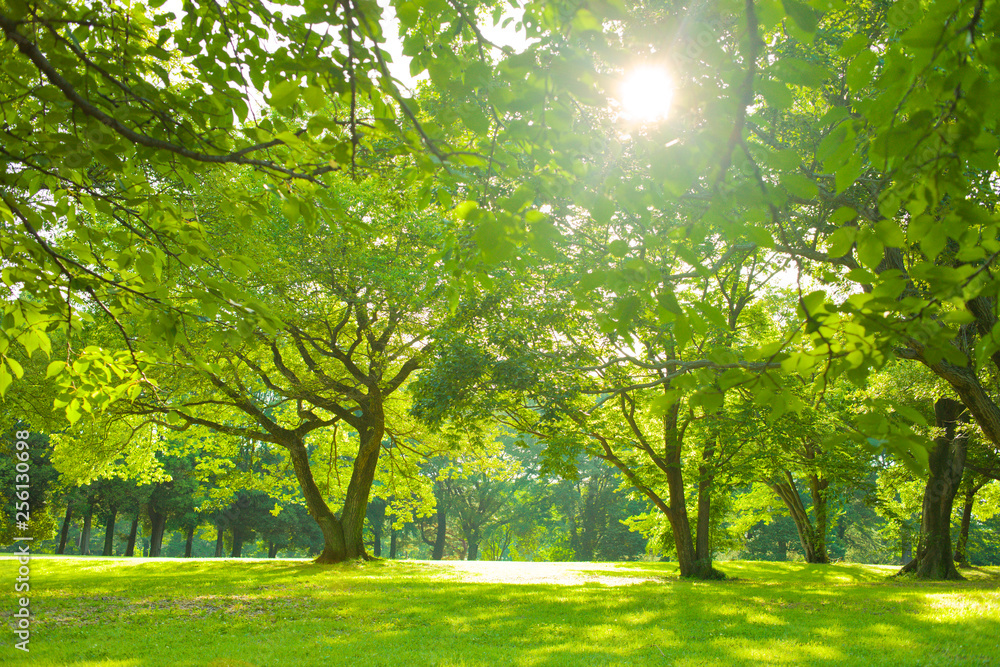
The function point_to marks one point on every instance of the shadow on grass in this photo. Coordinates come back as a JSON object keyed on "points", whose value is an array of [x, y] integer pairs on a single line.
{"points": [[296, 613]]}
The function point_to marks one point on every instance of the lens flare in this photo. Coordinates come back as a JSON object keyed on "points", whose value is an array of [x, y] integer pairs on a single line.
{"points": [[645, 94]]}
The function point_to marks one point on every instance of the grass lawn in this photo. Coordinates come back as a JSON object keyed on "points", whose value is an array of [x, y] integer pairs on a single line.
{"points": [[131, 612]]}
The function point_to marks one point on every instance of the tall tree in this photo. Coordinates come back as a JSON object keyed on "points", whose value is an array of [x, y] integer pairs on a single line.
{"points": [[103, 106], [357, 310]]}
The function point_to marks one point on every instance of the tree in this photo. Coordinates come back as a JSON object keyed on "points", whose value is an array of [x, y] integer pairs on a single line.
{"points": [[935, 557], [594, 391], [353, 330], [800, 457], [174, 497], [862, 177], [105, 106], [982, 468], [29, 488], [478, 488]]}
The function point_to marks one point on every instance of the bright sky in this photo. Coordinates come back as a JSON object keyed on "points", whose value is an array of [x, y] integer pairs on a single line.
{"points": [[645, 94]]}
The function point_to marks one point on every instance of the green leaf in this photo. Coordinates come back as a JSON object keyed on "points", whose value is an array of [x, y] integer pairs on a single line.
{"points": [[463, 210], [73, 412], [284, 94], [853, 44], [848, 173], [799, 72], [314, 97], [55, 368], [585, 21], [602, 210], [890, 234], [618, 248], [776, 93], [711, 401], [799, 185], [15, 367], [803, 15], [861, 71], [592, 280], [812, 301], [842, 215], [870, 249]]}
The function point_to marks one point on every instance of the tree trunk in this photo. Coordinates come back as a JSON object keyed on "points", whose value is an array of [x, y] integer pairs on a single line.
{"points": [[703, 546], [675, 510], [189, 542], [85, 533], [237, 551], [109, 532], [160, 533], [220, 538], [690, 565], [907, 545], [813, 547], [588, 521], [376, 519], [442, 535], [334, 547], [64, 533], [392, 544], [935, 558], [272, 550], [473, 539], [961, 549], [356, 501], [158, 524], [152, 551], [818, 487], [961, 554], [133, 532]]}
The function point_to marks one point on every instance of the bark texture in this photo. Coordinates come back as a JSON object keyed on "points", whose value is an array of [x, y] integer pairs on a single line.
{"points": [[441, 535], [220, 539], [158, 525], [64, 533], [133, 532], [935, 558], [968, 502], [706, 477], [109, 532], [812, 536], [85, 533]]}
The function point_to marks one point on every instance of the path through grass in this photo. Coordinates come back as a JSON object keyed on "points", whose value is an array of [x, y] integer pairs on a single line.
{"points": [[133, 612]]}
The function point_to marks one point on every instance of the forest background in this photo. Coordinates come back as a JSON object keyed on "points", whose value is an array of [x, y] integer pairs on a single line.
{"points": [[260, 291]]}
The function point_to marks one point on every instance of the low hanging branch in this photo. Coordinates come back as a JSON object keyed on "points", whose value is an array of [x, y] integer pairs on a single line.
{"points": [[31, 51]]}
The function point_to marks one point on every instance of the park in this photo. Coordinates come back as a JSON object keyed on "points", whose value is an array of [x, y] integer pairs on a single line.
{"points": [[466, 332]]}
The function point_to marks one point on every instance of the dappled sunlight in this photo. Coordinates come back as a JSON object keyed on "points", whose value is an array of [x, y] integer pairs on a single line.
{"points": [[337, 614], [787, 652], [760, 618], [959, 607]]}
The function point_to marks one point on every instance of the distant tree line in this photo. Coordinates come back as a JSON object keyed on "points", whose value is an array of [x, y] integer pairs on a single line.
{"points": [[509, 507]]}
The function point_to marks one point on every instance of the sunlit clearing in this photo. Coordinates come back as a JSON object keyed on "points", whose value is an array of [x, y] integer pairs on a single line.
{"points": [[645, 94]]}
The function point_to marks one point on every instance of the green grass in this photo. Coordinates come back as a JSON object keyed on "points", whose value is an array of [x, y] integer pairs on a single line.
{"points": [[127, 612]]}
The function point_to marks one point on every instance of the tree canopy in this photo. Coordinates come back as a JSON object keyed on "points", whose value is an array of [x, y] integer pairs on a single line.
{"points": [[235, 219]]}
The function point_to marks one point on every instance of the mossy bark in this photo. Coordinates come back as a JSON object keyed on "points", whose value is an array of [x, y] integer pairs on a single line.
{"points": [[935, 558]]}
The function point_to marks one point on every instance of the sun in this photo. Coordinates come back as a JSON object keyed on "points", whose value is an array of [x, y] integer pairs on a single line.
{"points": [[645, 94]]}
